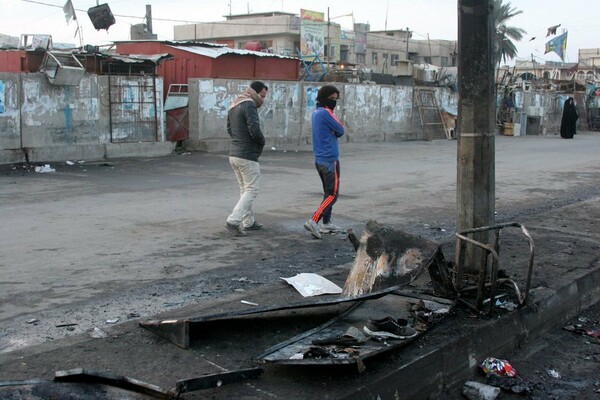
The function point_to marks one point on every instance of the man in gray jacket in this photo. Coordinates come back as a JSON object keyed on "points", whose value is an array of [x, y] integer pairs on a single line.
{"points": [[247, 142]]}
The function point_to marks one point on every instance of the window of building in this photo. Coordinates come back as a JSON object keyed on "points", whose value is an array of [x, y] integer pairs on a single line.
{"points": [[360, 59], [427, 60], [344, 52], [443, 61], [374, 59], [454, 61], [394, 59]]}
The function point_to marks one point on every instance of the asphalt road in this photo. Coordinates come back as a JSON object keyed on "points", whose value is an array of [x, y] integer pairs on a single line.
{"points": [[93, 244]]}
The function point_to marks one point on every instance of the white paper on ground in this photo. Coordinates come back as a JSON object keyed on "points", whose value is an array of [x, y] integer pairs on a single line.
{"points": [[308, 284]]}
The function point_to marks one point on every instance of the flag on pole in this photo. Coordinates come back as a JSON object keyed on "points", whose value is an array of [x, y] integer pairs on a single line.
{"points": [[69, 11], [557, 45]]}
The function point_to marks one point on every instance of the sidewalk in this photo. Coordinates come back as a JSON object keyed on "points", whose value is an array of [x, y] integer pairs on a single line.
{"points": [[566, 279]]}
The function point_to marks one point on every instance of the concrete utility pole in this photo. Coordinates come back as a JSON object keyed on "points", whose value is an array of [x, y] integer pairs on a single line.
{"points": [[476, 146]]}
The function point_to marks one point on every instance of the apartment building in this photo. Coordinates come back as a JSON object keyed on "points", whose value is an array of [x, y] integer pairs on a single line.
{"points": [[280, 33]]}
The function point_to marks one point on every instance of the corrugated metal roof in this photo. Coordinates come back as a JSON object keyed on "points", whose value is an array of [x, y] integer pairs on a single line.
{"points": [[140, 58], [215, 52], [177, 42]]}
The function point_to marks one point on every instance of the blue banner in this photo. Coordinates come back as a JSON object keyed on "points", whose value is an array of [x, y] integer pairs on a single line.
{"points": [[557, 45]]}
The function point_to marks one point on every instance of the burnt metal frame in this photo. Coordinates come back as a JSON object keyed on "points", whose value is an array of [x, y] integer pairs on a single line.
{"points": [[493, 281]]}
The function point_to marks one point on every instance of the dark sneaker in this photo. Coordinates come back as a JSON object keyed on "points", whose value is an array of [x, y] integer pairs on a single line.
{"points": [[235, 229], [254, 227], [313, 228], [390, 328]]}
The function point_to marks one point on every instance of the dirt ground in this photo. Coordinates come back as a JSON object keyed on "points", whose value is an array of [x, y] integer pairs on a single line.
{"points": [[96, 247]]}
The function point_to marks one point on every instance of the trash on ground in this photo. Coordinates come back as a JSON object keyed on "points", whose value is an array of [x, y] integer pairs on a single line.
{"points": [[480, 391], [65, 325], [554, 373], [352, 337], [496, 366], [249, 303], [97, 333], [514, 384], [33, 321], [308, 284], [69, 162], [112, 321], [506, 304], [579, 328], [44, 169]]}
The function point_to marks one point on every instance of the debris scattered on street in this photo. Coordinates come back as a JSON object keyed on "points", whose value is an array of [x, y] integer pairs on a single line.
{"points": [[249, 303], [44, 169], [33, 321], [97, 333], [554, 373], [496, 366], [479, 391], [511, 384], [579, 328], [112, 321], [65, 325], [308, 284]]}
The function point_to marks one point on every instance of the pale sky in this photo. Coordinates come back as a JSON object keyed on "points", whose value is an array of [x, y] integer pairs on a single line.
{"points": [[434, 18]]}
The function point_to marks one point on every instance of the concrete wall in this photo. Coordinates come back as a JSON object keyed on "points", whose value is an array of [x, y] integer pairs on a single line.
{"points": [[544, 110], [370, 113], [10, 118], [44, 122]]}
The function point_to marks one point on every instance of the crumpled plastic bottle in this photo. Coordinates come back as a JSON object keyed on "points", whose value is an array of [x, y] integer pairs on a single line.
{"points": [[496, 366]]}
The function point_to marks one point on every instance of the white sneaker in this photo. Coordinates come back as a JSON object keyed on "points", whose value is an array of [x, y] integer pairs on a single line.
{"points": [[329, 228], [313, 228]]}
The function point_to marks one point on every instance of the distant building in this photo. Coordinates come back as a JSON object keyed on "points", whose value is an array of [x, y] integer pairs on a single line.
{"points": [[438, 52], [581, 71], [8, 42], [589, 58], [383, 52], [272, 32]]}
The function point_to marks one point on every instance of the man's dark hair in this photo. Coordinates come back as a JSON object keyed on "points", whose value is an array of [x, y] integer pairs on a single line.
{"points": [[327, 91], [258, 86]]}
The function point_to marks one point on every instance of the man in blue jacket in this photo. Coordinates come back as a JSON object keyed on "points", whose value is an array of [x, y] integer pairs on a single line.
{"points": [[247, 142], [326, 129]]}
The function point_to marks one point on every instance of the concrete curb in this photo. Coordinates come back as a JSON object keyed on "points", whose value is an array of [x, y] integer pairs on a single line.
{"points": [[459, 358]]}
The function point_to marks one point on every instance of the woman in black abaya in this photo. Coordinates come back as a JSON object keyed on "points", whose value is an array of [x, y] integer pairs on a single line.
{"points": [[569, 119]]}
